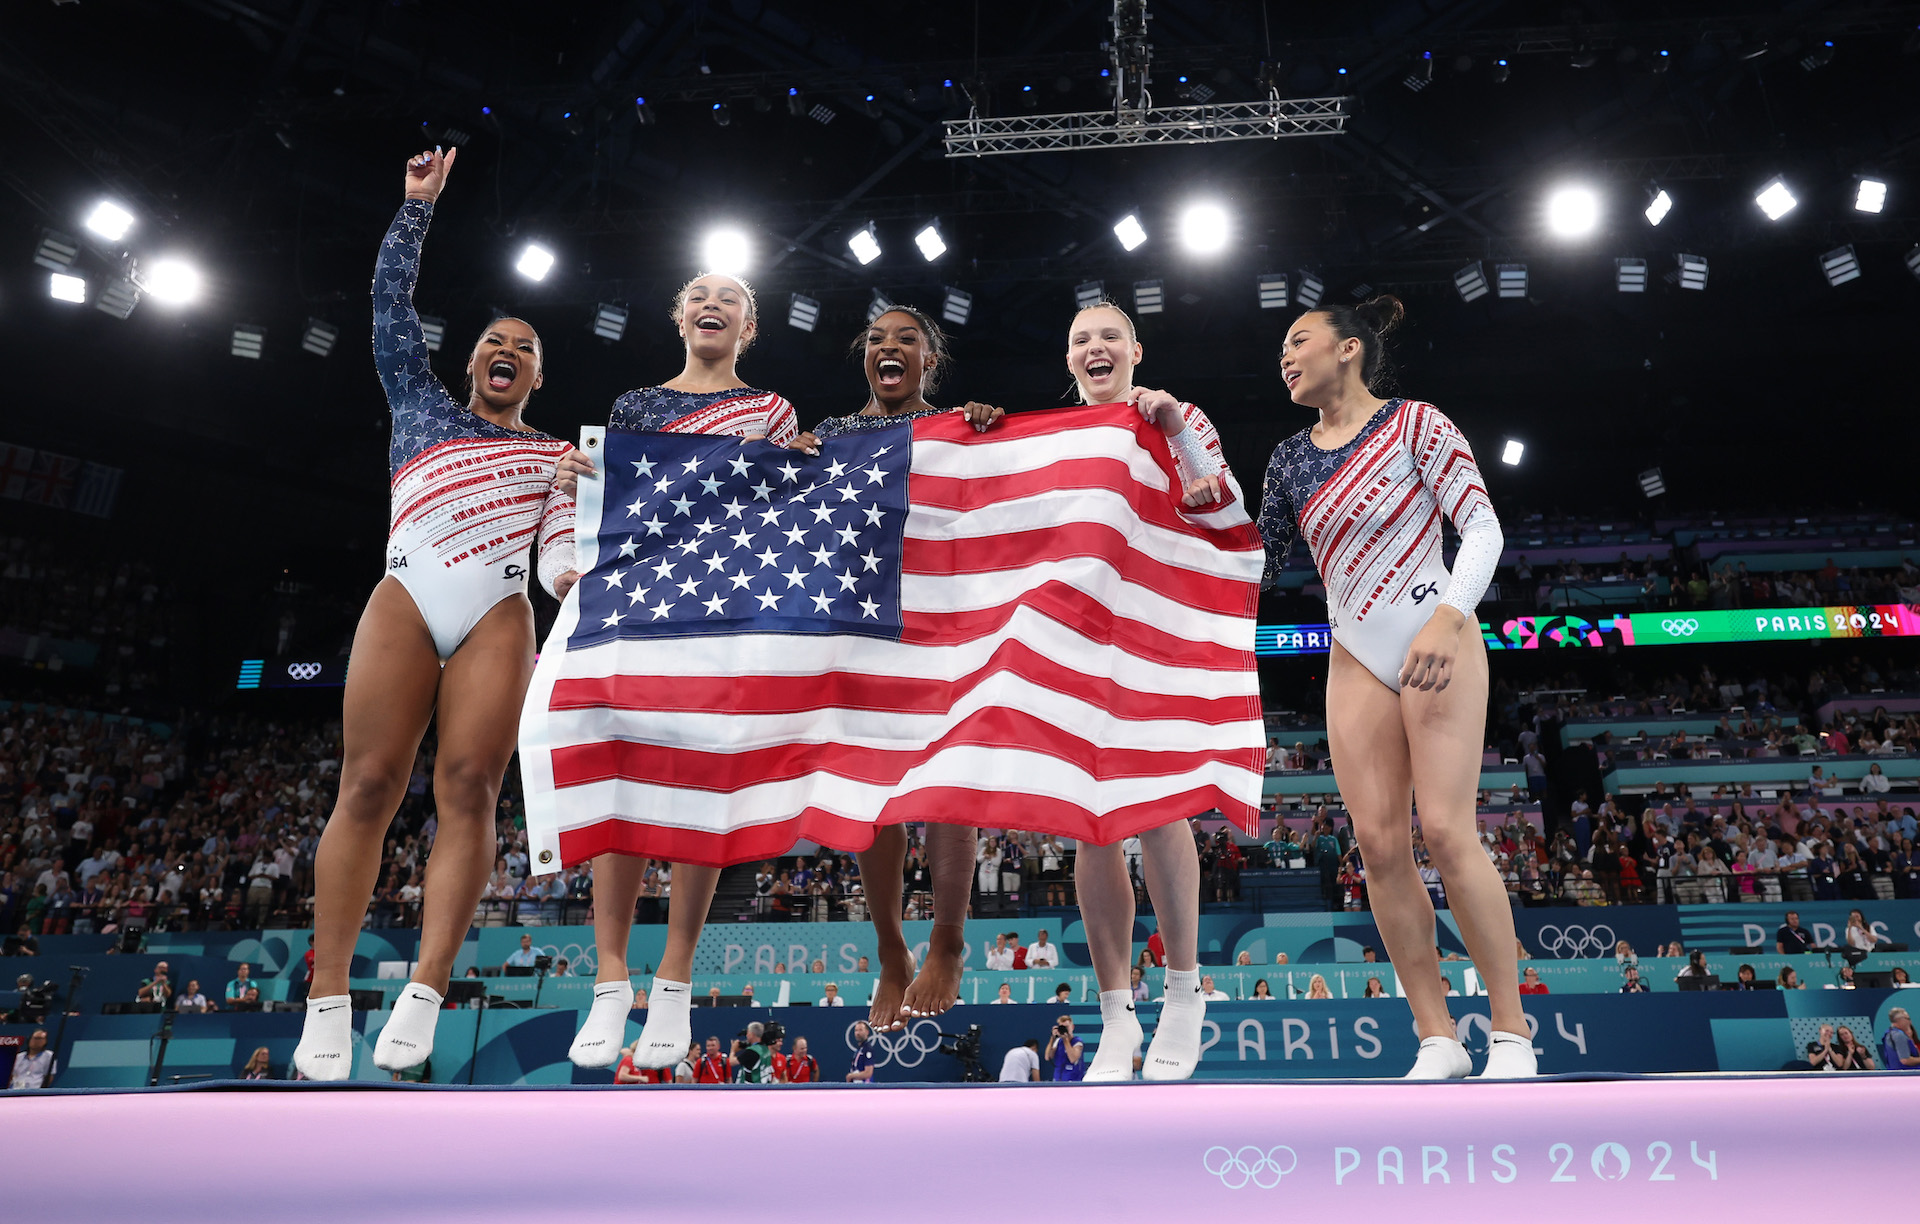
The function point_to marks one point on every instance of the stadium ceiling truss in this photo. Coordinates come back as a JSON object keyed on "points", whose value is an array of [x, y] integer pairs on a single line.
{"points": [[1273, 119]]}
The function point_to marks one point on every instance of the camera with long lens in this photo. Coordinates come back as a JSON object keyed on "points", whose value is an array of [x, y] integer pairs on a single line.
{"points": [[770, 1032], [35, 1003]]}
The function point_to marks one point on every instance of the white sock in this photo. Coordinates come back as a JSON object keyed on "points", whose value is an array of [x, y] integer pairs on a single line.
{"points": [[1440, 1058], [407, 1040], [669, 1028], [598, 1044], [1119, 1036], [1510, 1056], [1175, 1052], [325, 1051]]}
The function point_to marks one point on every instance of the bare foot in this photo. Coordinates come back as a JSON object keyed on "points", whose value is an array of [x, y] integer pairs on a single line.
{"points": [[937, 985], [896, 969]]}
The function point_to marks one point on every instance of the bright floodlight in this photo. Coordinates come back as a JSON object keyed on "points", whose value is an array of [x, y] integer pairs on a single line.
{"points": [[535, 262], [1872, 196], [1775, 200], [930, 243], [110, 221], [1659, 207], [1203, 229], [173, 280], [725, 250], [1511, 452], [865, 244], [1128, 230], [1573, 212], [66, 288]]}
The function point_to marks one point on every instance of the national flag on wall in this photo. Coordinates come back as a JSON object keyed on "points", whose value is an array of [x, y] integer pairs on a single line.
{"points": [[1013, 629]]}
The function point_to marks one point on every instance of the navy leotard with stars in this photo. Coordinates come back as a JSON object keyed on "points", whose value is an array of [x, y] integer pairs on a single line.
{"points": [[861, 422]]}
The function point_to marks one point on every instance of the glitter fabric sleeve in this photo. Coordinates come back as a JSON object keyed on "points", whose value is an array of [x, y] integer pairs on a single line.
{"points": [[1277, 522], [1196, 449], [1448, 470]]}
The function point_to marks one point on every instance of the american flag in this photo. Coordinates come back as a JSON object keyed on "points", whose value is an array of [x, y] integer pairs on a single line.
{"points": [[1018, 628]]}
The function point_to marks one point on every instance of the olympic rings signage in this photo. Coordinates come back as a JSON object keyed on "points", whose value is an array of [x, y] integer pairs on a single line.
{"points": [[1573, 942], [1667, 629], [1250, 1166], [907, 1048]]}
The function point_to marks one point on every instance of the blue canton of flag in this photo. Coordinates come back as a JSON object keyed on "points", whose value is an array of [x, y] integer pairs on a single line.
{"points": [[702, 535]]}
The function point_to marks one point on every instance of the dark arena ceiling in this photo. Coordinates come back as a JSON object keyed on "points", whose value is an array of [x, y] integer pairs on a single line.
{"points": [[265, 141]]}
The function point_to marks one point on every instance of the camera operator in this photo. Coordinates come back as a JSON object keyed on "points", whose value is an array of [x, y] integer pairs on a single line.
{"points": [[1065, 1051], [751, 1060]]}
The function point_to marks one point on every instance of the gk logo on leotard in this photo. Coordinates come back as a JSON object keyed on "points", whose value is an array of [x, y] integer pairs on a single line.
{"points": [[1425, 589], [514, 571], [1249, 1166]]}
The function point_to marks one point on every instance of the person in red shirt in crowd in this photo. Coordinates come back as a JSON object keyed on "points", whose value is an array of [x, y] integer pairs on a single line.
{"points": [[711, 1066], [1019, 950], [780, 1060], [1531, 983], [624, 1072], [801, 1067], [1157, 948]]}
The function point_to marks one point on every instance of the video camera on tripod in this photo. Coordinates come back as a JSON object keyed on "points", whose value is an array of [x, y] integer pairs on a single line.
{"points": [[966, 1048]]}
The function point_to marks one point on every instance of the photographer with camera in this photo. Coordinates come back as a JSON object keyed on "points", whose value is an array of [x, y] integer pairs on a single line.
{"points": [[1066, 1052], [750, 1057]]}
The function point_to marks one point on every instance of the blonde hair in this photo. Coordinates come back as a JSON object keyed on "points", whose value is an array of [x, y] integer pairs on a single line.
{"points": [[1105, 303], [679, 311]]}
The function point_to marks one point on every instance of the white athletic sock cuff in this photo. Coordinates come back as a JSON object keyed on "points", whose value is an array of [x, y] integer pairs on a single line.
{"points": [[1115, 1001], [605, 989], [1517, 1038], [1182, 982], [671, 991], [426, 994], [314, 1001]]}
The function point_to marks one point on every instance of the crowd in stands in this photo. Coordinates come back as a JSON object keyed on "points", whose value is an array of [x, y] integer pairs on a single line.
{"points": [[120, 612]]}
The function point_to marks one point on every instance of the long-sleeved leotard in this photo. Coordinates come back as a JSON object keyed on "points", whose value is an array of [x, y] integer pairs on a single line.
{"points": [[1371, 513], [742, 411], [468, 496]]}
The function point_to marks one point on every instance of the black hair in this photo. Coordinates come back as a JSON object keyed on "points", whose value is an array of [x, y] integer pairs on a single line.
{"points": [[492, 323], [936, 344], [1370, 322]]}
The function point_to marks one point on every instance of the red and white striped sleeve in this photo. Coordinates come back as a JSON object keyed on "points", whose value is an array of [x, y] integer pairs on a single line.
{"points": [[1446, 465], [782, 422]]}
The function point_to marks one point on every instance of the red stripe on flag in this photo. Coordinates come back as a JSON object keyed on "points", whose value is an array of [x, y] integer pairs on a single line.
{"points": [[1156, 506], [1085, 615], [1012, 550]]}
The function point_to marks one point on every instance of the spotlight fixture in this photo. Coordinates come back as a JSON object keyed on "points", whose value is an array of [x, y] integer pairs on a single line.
{"points": [[932, 245], [1652, 483], [173, 281], [434, 330], [1203, 229], [1818, 58], [118, 297], [576, 125], [1510, 280], [1361, 292], [796, 102], [878, 306], [56, 251], [871, 105], [1128, 230], [1501, 71], [1273, 290], [725, 250], [319, 337], [535, 262], [956, 306], [1150, 296], [66, 288], [1659, 207], [1308, 294], [1630, 275], [1912, 258], [109, 220], [722, 114], [1775, 199], [1840, 265], [1471, 281], [249, 339], [1089, 294], [1510, 452], [1583, 57], [802, 312], [1870, 196], [822, 113], [865, 243], [1660, 63], [1573, 212], [643, 111], [1693, 271], [610, 321], [1421, 75]]}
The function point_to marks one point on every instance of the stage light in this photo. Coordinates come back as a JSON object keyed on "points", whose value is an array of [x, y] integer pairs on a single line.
{"points": [[109, 220], [932, 245], [1471, 281], [1308, 295], [1510, 280], [865, 244], [722, 114], [117, 297], [871, 106], [1652, 483], [796, 103], [1661, 62], [173, 281], [1775, 200], [434, 330], [726, 251], [1871, 196], [534, 262], [877, 306], [56, 251], [1089, 294], [802, 312], [1818, 58], [1840, 265], [643, 112], [1659, 207], [319, 337], [1273, 290], [956, 306], [1573, 212], [1127, 229], [822, 113], [610, 321], [1693, 271], [1913, 261], [1203, 229], [1501, 71], [1630, 275], [65, 288], [1511, 452], [1421, 74], [1149, 297], [249, 339]]}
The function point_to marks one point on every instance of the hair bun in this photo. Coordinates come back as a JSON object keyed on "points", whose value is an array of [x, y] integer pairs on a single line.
{"points": [[1382, 313]]}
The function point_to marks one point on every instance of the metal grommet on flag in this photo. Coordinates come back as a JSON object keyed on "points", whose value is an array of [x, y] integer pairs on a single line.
{"points": [[546, 856]]}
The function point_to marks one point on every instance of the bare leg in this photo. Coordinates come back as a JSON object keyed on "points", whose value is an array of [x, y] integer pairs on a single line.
{"points": [[389, 700], [1444, 734], [1366, 732], [881, 867], [1172, 867], [617, 881], [686, 917], [950, 862], [1106, 911]]}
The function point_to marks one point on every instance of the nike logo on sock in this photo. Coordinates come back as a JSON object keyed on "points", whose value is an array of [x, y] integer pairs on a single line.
{"points": [[335, 1007], [673, 990], [1129, 1007]]}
